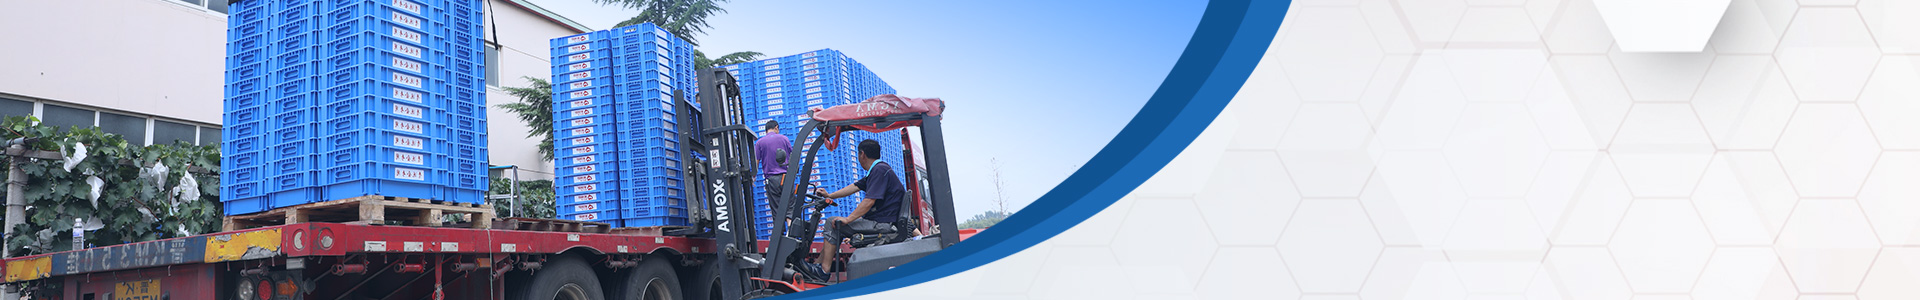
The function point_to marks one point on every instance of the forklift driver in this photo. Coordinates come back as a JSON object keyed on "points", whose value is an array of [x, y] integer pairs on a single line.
{"points": [[877, 220]]}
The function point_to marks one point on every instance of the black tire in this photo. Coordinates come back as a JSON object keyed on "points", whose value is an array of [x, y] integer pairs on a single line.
{"points": [[653, 279], [703, 285], [564, 277], [761, 293]]}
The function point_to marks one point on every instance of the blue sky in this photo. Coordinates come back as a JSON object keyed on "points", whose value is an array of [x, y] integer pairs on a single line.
{"points": [[1041, 86]]}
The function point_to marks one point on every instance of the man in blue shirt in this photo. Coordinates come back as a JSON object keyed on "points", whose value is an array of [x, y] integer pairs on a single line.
{"points": [[880, 210], [771, 150]]}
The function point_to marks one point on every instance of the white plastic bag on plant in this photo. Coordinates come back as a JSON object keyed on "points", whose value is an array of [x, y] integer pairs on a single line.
{"points": [[73, 159], [94, 195], [158, 172], [93, 223], [188, 190]]}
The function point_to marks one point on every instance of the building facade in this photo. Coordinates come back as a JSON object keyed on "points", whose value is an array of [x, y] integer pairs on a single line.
{"points": [[153, 70]]}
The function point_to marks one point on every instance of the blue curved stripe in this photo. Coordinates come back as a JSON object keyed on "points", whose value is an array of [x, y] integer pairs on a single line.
{"points": [[1228, 43]]}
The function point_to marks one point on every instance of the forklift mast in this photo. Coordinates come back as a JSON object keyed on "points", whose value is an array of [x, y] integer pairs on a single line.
{"points": [[726, 181]]}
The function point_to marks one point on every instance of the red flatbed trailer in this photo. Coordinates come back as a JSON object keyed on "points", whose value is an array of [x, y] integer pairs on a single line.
{"points": [[342, 261], [321, 260]]}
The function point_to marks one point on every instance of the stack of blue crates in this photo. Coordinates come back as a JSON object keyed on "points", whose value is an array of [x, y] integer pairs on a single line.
{"points": [[784, 89], [616, 130], [330, 100]]}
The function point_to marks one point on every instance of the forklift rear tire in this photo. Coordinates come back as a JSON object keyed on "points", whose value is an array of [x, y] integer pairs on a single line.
{"points": [[704, 284], [653, 279], [565, 277]]}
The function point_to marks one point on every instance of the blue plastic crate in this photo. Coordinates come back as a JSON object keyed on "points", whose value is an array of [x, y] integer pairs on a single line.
{"points": [[462, 137], [402, 157], [386, 77], [381, 106], [645, 185], [360, 90], [582, 70], [583, 56], [290, 134], [599, 137], [588, 207], [381, 121], [415, 8], [571, 198], [657, 213], [378, 145], [578, 38], [463, 195], [604, 189], [589, 125], [633, 173], [389, 59], [467, 124], [605, 176], [242, 143], [240, 32], [244, 100], [587, 47], [384, 179], [242, 205], [586, 107], [295, 38], [602, 150], [294, 196], [580, 136], [246, 12], [589, 83], [647, 152], [598, 216], [597, 159], [248, 85], [369, 16], [345, 43]]}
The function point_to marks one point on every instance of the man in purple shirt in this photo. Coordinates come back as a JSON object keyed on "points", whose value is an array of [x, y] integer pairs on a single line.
{"points": [[771, 150]]}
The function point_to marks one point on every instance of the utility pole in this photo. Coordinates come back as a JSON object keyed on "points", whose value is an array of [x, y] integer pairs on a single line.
{"points": [[18, 156]]}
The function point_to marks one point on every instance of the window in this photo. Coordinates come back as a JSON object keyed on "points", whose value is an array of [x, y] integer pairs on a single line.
{"points": [[165, 133], [15, 108], [132, 128], [493, 64], [65, 117], [209, 136], [214, 5]]}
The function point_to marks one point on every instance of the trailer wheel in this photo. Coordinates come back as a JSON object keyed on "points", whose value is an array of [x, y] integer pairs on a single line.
{"points": [[761, 293], [653, 279], [564, 278]]}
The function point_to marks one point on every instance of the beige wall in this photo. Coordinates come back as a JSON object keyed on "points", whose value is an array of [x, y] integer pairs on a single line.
{"points": [[151, 57], [524, 53], [161, 58]]}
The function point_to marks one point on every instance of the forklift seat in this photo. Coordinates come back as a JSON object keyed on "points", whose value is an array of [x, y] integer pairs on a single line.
{"points": [[867, 234]]}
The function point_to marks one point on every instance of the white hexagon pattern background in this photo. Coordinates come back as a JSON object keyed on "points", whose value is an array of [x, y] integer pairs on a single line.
{"points": [[1454, 149]]}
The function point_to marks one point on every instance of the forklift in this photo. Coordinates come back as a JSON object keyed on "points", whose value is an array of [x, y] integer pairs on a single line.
{"points": [[744, 269]]}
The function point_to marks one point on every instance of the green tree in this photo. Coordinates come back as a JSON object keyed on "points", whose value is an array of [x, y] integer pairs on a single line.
{"points": [[536, 109], [122, 193], [984, 220], [686, 19], [701, 62], [682, 18], [536, 198]]}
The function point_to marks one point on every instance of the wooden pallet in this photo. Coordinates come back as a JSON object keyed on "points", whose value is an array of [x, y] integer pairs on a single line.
{"points": [[555, 225], [374, 210], [645, 231]]}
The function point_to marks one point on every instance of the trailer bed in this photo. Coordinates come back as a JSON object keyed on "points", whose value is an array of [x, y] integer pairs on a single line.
{"points": [[334, 239]]}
